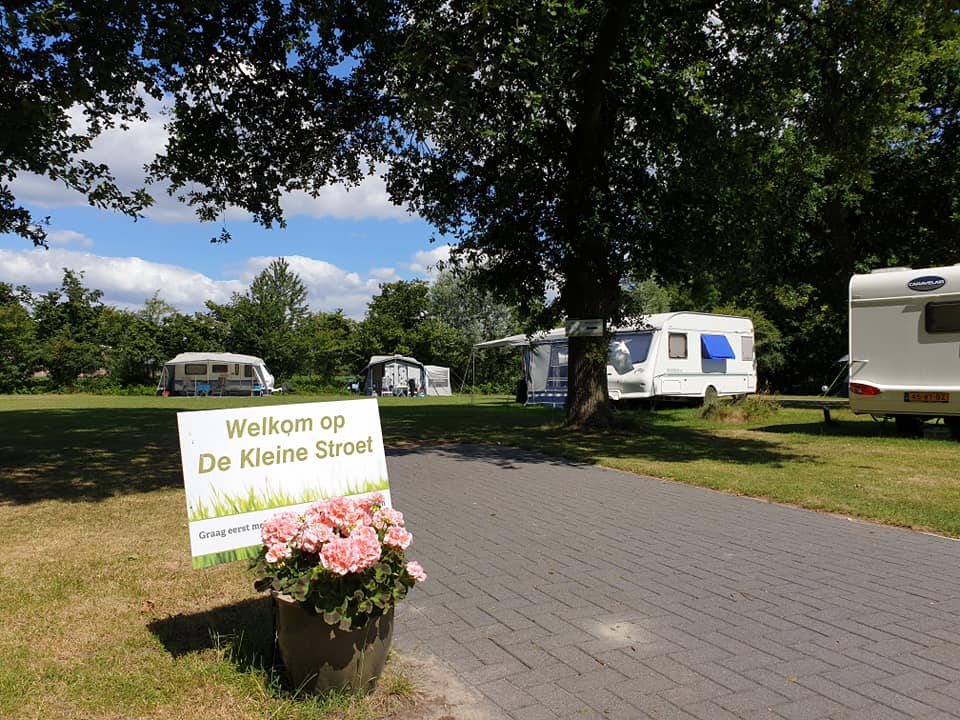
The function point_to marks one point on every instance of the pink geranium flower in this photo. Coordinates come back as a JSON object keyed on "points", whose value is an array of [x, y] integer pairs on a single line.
{"points": [[387, 516], [344, 513], [398, 537], [278, 552], [314, 535], [351, 554], [416, 571], [281, 528]]}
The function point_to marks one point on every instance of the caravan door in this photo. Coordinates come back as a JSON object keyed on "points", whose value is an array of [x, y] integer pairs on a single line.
{"points": [[627, 375]]}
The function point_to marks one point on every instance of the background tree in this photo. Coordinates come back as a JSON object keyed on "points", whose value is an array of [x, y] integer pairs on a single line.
{"points": [[333, 345], [392, 324], [475, 315], [19, 357], [268, 321], [136, 338], [852, 90], [403, 320], [68, 328]]}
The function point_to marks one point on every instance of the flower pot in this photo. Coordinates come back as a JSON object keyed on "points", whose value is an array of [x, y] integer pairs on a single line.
{"points": [[319, 657]]}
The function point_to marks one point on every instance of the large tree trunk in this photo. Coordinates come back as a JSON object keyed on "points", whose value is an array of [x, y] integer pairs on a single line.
{"points": [[587, 403]]}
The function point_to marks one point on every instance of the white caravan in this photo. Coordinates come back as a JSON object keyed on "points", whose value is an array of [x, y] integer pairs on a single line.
{"points": [[905, 344], [678, 355], [215, 373]]}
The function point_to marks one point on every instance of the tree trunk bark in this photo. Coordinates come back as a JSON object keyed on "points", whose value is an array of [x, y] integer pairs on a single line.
{"points": [[587, 403]]}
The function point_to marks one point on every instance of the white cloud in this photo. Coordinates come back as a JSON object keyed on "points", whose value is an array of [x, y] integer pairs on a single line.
{"points": [[127, 152], [385, 274], [68, 237], [368, 200], [425, 261], [125, 281]]}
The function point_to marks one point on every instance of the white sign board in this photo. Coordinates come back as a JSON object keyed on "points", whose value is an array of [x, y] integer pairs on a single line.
{"points": [[241, 466], [584, 328]]}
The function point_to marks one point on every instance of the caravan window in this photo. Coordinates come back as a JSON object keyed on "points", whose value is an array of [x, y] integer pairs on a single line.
{"points": [[746, 347], [248, 371], [195, 369], [677, 343], [942, 317], [636, 346], [219, 369], [557, 373]]}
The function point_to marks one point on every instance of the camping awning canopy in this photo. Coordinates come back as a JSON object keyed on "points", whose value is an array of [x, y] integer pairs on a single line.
{"points": [[381, 359], [522, 340], [716, 347], [213, 357]]}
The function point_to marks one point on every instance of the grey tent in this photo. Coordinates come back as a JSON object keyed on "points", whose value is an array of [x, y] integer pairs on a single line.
{"points": [[401, 375]]}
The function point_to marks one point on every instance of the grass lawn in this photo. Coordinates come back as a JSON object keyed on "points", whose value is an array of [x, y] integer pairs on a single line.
{"points": [[101, 615]]}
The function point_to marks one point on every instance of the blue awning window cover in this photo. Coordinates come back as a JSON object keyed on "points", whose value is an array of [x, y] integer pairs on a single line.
{"points": [[716, 347]]}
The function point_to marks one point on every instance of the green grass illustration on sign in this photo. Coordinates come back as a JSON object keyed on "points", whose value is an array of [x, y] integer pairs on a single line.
{"points": [[226, 504]]}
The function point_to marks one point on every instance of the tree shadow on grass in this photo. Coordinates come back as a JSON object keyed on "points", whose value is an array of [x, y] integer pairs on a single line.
{"points": [[87, 454], [836, 427], [637, 435], [243, 631]]}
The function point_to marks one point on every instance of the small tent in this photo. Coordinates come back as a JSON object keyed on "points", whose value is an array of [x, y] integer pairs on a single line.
{"points": [[213, 373], [401, 375]]}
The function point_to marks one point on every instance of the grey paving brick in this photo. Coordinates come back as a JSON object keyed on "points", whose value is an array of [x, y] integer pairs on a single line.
{"points": [[789, 687], [552, 671], [747, 700], [873, 712], [505, 694], [894, 700], [847, 695], [693, 693], [808, 707]]}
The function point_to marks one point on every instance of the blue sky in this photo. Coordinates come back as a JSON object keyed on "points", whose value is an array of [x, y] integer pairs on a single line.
{"points": [[342, 244]]}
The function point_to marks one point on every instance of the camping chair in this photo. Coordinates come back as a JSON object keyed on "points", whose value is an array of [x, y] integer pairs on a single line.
{"points": [[219, 387]]}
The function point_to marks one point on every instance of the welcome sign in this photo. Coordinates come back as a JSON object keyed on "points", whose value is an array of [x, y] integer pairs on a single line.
{"points": [[241, 466]]}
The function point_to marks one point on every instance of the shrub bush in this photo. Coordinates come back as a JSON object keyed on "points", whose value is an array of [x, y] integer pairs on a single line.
{"points": [[753, 407]]}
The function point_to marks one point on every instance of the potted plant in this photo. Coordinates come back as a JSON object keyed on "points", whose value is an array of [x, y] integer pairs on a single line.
{"points": [[336, 572]]}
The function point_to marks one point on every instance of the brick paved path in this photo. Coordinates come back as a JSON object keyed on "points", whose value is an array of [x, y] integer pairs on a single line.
{"points": [[567, 591]]}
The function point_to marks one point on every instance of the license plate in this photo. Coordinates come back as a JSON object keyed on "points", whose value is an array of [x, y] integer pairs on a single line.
{"points": [[931, 397]]}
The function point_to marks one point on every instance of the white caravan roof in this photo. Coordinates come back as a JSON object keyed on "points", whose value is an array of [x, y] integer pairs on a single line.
{"points": [[893, 283], [381, 359], [213, 357], [654, 321]]}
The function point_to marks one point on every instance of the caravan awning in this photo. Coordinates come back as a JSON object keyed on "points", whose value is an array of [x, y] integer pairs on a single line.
{"points": [[522, 340], [716, 347]]}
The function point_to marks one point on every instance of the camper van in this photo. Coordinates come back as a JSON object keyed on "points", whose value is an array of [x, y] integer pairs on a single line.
{"points": [[673, 356], [201, 374], [905, 345]]}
